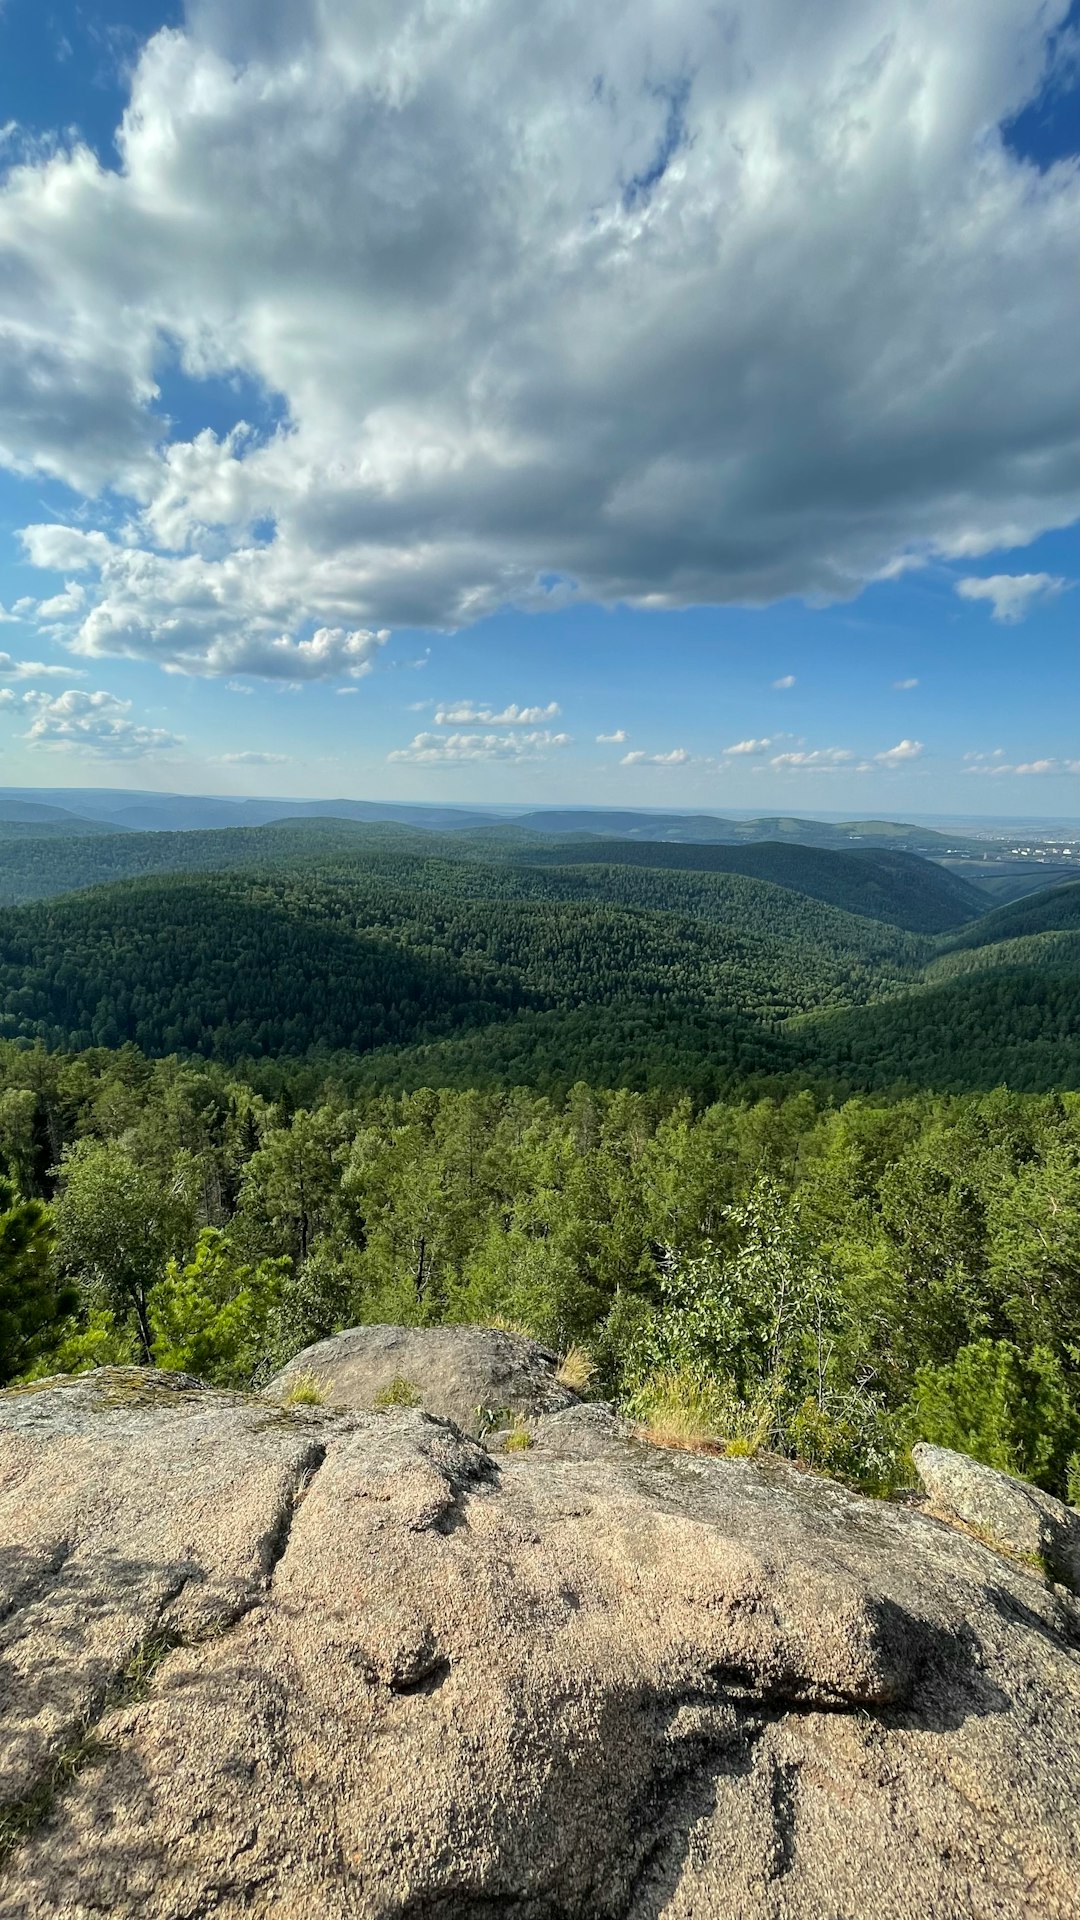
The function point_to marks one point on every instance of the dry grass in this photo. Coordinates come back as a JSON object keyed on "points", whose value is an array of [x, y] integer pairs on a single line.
{"points": [[577, 1369], [307, 1390], [502, 1323], [675, 1412], [400, 1393], [518, 1440]]}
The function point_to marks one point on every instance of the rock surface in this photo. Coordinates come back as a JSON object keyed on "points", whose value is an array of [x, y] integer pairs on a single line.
{"points": [[340, 1666], [458, 1372], [1020, 1518]]}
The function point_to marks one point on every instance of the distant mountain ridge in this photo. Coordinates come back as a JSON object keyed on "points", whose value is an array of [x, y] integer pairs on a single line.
{"points": [[180, 813]]}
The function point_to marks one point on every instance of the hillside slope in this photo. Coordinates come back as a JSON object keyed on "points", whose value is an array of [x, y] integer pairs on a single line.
{"points": [[361, 957], [902, 889]]}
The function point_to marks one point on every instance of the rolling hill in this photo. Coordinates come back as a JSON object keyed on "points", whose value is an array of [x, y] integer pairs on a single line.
{"points": [[358, 955], [899, 888]]}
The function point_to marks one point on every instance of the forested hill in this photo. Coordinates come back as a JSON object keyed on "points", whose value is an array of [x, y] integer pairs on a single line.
{"points": [[241, 964], [1057, 910], [328, 940], [899, 888], [881, 884]]}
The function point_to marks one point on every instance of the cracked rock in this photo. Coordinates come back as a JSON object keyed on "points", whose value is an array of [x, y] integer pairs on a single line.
{"points": [[311, 1665]]}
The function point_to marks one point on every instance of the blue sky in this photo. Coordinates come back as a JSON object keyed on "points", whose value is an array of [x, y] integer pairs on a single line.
{"points": [[395, 415]]}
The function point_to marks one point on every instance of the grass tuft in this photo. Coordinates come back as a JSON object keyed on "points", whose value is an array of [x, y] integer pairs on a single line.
{"points": [[577, 1369], [400, 1393], [307, 1390]]}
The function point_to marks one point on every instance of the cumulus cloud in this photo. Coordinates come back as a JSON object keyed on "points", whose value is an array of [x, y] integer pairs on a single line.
{"points": [[199, 615], [633, 303], [903, 751], [92, 723], [464, 713], [1012, 595], [904, 686], [785, 681], [750, 746], [678, 757], [616, 739], [432, 749], [11, 669]]}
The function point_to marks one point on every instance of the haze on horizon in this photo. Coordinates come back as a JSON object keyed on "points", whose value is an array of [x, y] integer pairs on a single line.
{"points": [[641, 407]]}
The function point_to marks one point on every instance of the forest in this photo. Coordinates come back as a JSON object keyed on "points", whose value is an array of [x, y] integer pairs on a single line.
{"points": [[780, 1174], [831, 1281]]}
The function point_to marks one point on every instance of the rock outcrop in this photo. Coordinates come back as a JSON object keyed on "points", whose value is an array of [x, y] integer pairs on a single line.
{"points": [[342, 1666], [475, 1376], [1009, 1513]]}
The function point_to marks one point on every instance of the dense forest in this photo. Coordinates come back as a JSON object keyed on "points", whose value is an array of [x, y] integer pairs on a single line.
{"points": [[718, 1132], [474, 960], [832, 1281]]}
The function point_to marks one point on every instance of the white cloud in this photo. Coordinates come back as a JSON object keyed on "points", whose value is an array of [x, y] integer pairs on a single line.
{"points": [[678, 757], [750, 746], [616, 739], [194, 615], [463, 713], [904, 686], [814, 760], [431, 749], [92, 723], [34, 670], [786, 680], [255, 759], [61, 605], [237, 686], [1012, 595], [903, 751], [997, 768], [552, 301], [8, 619]]}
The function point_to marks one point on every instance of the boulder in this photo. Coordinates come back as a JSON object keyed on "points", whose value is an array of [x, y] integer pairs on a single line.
{"points": [[314, 1665], [1010, 1513], [474, 1376]]}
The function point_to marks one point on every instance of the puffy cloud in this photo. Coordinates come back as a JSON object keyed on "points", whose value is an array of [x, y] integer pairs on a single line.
{"points": [[678, 757], [904, 686], [199, 615], [1012, 595], [632, 302], [92, 723], [464, 713], [903, 751], [431, 749], [60, 605], [749, 746], [616, 739], [33, 670], [785, 681]]}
